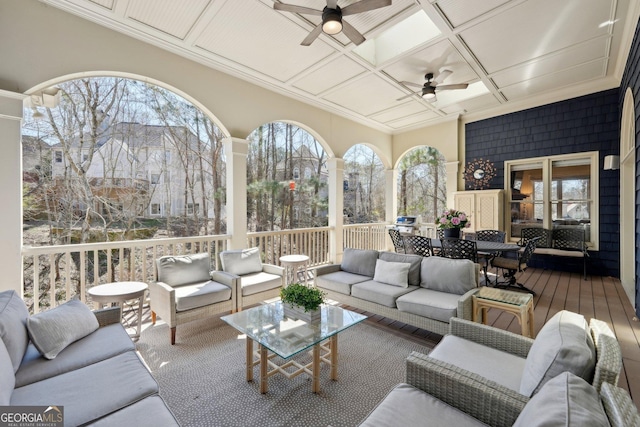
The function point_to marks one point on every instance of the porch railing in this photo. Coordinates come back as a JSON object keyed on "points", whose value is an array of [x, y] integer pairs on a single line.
{"points": [[55, 274]]}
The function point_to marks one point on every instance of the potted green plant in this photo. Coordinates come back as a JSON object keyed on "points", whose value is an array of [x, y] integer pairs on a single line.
{"points": [[302, 302]]}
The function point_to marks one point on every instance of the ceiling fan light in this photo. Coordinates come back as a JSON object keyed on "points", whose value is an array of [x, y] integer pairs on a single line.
{"points": [[331, 21], [428, 93]]}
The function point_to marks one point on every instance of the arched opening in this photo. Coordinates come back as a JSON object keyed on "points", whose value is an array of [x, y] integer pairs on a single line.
{"points": [[286, 178], [118, 158], [627, 198], [363, 186], [422, 184]]}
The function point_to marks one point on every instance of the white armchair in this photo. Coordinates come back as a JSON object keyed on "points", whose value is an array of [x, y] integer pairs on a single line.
{"points": [[186, 289], [256, 281]]}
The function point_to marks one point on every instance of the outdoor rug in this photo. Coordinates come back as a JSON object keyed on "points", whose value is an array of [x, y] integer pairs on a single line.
{"points": [[202, 377]]}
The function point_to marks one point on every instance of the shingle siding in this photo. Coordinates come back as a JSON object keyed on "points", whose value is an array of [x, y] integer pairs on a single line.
{"points": [[587, 123]]}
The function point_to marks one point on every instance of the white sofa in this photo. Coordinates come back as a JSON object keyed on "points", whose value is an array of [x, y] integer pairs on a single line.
{"points": [[83, 361], [422, 292]]}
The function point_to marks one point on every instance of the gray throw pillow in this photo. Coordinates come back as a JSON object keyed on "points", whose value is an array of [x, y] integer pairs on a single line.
{"points": [[413, 260], [53, 330], [455, 276], [359, 261], [392, 273], [13, 326], [566, 400], [241, 261], [563, 344], [184, 269]]}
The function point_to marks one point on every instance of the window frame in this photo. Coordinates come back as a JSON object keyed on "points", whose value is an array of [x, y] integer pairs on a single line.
{"points": [[548, 202]]}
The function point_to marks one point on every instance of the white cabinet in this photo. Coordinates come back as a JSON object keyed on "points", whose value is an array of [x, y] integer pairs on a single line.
{"points": [[484, 207]]}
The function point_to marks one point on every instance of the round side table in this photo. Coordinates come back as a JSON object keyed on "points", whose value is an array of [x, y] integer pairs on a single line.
{"points": [[294, 264], [119, 293]]}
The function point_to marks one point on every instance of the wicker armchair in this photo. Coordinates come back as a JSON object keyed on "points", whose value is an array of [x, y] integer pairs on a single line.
{"points": [[488, 401]]}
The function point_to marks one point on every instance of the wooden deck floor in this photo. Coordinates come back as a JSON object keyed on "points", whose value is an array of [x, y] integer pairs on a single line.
{"points": [[599, 297]]}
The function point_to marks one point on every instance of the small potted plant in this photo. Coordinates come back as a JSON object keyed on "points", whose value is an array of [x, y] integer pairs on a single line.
{"points": [[302, 302]]}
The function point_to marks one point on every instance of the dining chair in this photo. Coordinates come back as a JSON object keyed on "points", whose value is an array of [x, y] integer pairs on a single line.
{"points": [[397, 240], [510, 267], [491, 235], [419, 245], [459, 249]]}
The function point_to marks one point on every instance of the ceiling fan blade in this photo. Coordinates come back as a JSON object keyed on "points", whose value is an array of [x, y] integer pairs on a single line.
{"points": [[312, 35], [331, 4], [364, 6], [411, 84], [407, 96], [443, 76], [353, 34], [296, 9], [452, 87]]}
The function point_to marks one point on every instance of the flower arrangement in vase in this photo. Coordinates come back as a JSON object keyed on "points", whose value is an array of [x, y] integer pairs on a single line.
{"points": [[452, 221]]}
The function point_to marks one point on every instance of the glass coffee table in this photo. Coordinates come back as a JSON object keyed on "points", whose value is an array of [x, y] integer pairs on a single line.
{"points": [[284, 337]]}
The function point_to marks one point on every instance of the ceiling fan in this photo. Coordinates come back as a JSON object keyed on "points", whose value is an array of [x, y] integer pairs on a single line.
{"points": [[432, 85], [332, 14]]}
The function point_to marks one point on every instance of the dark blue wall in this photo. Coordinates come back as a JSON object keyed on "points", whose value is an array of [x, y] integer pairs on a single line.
{"points": [[587, 123], [631, 79]]}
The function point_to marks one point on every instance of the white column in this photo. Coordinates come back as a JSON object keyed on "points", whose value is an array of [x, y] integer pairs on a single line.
{"points": [[452, 181], [391, 195], [336, 208], [236, 150], [11, 191]]}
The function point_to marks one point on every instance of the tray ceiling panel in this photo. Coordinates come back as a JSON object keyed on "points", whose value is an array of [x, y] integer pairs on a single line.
{"points": [[514, 54]]}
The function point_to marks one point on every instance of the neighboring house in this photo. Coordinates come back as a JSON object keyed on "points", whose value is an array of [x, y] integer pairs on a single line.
{"points": [[141, 170]]}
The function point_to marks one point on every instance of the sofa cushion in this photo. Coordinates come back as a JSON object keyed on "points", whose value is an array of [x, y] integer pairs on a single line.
{"points": [[495, 365], [413, 260], [184, 269], [359, 261], [7, 377], [406, 405], [379, 292], [201, 294], [456, 276], [392, 273], [563, 344], [53, 330], [259, 282], [241, 261], [340, 281], [94, 391], [13, 326], [436, 305], [150, 411], [107, 341], [566, 400]]}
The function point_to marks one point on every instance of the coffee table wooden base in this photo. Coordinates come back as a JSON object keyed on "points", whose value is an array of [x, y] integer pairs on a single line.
{"points": [[325, 352]]}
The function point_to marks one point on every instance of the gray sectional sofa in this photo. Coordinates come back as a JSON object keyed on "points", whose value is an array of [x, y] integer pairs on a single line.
{"points": [[81, 360], [422, 292]]}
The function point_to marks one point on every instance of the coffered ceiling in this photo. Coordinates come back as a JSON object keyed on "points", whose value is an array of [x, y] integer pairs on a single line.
{"points": [[513, 54]]}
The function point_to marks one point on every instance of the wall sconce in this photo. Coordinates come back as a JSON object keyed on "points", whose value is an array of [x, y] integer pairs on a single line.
{"points": [[611, 162]]}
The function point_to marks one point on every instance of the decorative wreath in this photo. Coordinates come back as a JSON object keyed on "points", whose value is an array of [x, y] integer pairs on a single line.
{"points": [[479, 173]]}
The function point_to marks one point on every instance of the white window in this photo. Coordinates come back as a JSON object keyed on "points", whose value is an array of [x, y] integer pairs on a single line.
{"points": [[307, 173], [155, 208], [296, 173], [85, 157], [552, 192], [190, 209], [155, 178], [58, 156], [167, 156]]}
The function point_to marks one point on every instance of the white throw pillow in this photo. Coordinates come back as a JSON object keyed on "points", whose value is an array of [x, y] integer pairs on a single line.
{"points": [[53, 330], [392, 273], [563, 344]]}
